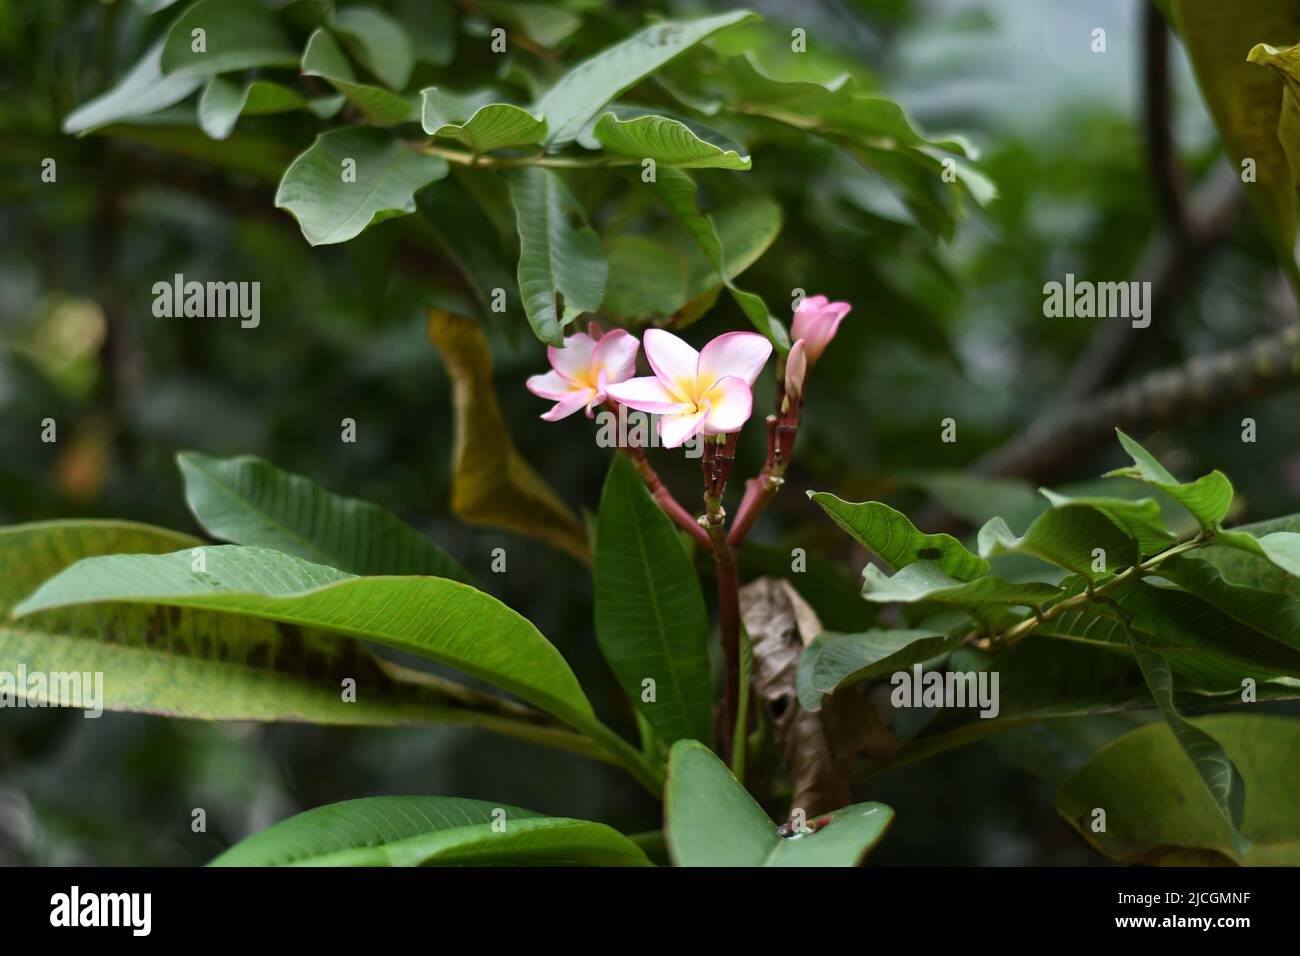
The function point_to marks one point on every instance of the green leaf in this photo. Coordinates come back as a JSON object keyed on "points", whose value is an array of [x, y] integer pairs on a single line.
{"points": [[193, 663], [1239, 563], [676, 190], [479, 121], [248, 501], [1157, 810], [431, 831], [650, 616], [833, 661], [1066, 536], [237, 35], [223, 102], [1200, 642], [712, 821], [331, 206], [580, 93], [324, 58], [492, 484], [378, 41], [1140, 519], [1274, 615], [562, 270], [143, 90], [444, 621], [669, 142], [890, 536], [983, 598], [542, 23], [1208, 498], [1221, 778], [1245, 99]]}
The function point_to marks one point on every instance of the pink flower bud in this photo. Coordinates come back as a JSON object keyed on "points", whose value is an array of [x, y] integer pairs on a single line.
{"points": [[816, 321], [796, 367]]}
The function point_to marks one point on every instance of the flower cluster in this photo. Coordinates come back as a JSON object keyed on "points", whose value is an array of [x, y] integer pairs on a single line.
{"points": [[708, 392]]}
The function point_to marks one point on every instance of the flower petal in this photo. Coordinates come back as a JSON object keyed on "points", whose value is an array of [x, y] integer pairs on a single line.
{"points": [[675, 430], [738, 354], [646, 394], [552, 385], [615, 355], [574, 360], [673, 361], [730, 405], [575, 400]]}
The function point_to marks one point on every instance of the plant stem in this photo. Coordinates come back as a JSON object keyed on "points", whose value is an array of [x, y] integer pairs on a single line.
{"points": [[1029, 624], [671, 507], [627, 756], [467, 158]]}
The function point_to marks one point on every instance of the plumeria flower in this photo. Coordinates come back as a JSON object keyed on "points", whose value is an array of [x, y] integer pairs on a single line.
{"points": [[692, 392], [816, 321], [582, 371]]}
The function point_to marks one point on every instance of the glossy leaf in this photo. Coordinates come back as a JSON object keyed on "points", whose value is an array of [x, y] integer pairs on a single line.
{"points": [[248, 501], [1140, 519], [331, 206], [1158, 812], [223, 102], [834, 661], [445, 621], [480, 122], [896, 541], [1208, 498], [668, 141], [711, 820], [580, 93], [431, 831], [650, 617], [324, 58], [982, 598], [1067, 536], [237, 35], [145, 89], [562, 270], [379, 42]]}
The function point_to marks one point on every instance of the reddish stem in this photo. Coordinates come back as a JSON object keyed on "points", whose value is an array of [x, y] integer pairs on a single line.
{"points": [[671, 507]]}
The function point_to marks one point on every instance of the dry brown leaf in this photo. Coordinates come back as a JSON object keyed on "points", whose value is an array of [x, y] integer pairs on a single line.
{"points": [[491, 482], [818, 748]]}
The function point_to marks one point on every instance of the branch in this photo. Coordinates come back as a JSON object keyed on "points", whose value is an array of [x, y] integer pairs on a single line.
{"points": [[1198, 388], [664, 498]]}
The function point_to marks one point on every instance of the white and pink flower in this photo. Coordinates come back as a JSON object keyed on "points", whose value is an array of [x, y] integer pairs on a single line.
{"points": [[583, 370], [696, 392]]}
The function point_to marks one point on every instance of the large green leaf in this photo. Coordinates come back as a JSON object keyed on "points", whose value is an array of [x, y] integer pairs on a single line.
{"points": [[143, 90], [711, 820], [650, 616], [833, 661], [562, 271], [1220, 777], [198, 664], [481, 122], [331, 208], [668, 141], [889, 535], [431, 831], [237, 35], [1208, 498], [580, 93], [1140, 519], [1068, 536], [984, 598], [324, 58], [1241, 564], [676, 190], [1265, 612], [1157, 811], [442, 620], [1201, 642], [247, 500]]}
